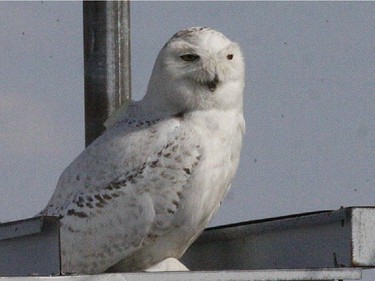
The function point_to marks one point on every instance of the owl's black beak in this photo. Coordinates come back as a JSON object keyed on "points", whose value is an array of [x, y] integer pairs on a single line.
{"points": [[212, 83]]}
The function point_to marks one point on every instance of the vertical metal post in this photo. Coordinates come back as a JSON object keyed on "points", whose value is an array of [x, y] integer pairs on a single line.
{"points": [[107, 62]]}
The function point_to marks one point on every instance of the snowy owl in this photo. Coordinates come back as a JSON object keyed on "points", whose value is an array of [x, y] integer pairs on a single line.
{"points": [[144, 190]]}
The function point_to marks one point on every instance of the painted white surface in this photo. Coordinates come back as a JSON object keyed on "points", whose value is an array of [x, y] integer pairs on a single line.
{"points": [[310, 104], [363, 224], [258, 275]]}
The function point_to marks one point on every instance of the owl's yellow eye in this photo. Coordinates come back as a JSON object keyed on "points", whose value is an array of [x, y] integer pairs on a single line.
{"points": [[190, 57]]}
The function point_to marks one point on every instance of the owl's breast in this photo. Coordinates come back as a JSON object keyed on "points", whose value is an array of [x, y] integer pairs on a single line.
{"points": [[221, 141]]}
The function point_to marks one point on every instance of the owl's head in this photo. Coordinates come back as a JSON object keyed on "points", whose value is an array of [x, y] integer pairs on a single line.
{"points": [[197, 69]]}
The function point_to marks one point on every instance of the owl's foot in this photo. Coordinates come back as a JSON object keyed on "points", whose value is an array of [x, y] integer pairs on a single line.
{"points": [[169, 264]]}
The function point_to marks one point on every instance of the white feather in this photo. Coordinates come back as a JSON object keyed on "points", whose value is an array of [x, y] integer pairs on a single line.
{"points": [[144, 190]]}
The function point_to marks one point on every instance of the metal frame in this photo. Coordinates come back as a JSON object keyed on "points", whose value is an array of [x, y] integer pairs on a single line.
{"points": [[30, 246], [263, 275], [326, 239], [323, 245]]}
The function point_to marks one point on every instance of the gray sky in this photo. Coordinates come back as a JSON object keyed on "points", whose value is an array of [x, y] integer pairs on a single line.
{"points": [[309, 102]]}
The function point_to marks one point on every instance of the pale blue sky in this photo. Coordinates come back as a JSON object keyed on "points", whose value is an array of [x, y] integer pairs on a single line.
{"points": [[309, 104]]}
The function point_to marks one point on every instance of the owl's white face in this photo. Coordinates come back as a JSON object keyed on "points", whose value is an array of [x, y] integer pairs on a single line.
{"points": [[198, 68]]}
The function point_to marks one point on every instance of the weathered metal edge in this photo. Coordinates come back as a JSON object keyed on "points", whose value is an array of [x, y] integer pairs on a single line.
{"points": [[282, 222], [363, 237], [23, 227], [240, 275]]}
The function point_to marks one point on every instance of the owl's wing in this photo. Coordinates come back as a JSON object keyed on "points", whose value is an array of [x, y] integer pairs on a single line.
{"points": [[123, 191]]}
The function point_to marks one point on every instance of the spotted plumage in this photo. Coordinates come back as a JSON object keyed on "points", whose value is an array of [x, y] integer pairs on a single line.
{"points": [[144, 190]]}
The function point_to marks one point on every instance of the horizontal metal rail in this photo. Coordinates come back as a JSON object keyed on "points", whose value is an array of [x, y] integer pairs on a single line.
{"points": [[327, 239], [261, 275], [325, 245]]}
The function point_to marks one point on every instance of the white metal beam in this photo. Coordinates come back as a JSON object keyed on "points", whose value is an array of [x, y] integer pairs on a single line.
{"points": [[328, 239], [257, 275], [341, 238]]}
